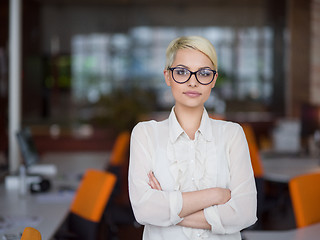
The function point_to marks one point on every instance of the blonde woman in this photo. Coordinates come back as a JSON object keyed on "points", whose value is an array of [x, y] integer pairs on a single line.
{"points": [[190, 176]]}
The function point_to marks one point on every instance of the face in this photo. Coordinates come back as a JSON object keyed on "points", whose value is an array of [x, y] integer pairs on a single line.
{"points": [[190, 94]]}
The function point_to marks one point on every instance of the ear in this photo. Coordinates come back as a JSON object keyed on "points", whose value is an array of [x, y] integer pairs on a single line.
{"points": [[167, 77], [214, 80]]}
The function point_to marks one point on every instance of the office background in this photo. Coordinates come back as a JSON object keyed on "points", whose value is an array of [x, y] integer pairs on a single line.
{"points": [[87, 63], [91, 69]]}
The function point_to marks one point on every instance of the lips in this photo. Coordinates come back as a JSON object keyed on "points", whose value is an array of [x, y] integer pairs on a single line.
{"points": [[192, 94]]}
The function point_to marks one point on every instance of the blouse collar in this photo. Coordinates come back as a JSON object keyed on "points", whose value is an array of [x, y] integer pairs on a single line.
{"points": [[175, 130]]}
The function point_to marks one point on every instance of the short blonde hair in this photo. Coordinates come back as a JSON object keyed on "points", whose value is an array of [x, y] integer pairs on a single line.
{"points": [[191, 42]]}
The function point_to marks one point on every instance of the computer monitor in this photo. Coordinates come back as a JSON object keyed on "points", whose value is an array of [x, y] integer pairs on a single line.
{"points": [[27, 147]]}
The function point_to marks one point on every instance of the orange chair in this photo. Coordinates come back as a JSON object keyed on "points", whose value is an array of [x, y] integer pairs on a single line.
{"points": [[257, 170], [120, 149], [119, 210], [88, 205], [118, 165], [30, 233], [93, 194], [305, 197], [254, 151]]}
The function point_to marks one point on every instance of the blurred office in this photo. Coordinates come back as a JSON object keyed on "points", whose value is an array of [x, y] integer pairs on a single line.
{"points": [[79, 56], [92, 69]]}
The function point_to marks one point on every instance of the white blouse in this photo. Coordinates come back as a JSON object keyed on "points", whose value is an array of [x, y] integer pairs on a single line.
{"points": [[217, 157]]}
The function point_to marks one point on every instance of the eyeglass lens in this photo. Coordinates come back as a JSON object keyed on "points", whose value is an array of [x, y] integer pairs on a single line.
{"points": [[204, 76]]}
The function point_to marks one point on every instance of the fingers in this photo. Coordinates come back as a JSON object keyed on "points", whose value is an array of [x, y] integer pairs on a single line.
{"points": [[153, 182]]}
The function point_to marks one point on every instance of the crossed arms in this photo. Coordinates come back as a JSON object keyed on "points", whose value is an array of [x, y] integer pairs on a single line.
{"points": [[212, 208], [194, 203]]}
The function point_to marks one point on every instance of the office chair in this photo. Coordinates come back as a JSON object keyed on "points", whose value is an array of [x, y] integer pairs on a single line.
{"points": [[258, 170], [120, 149], [119, 212], [118, 165], [305, 197], [254, 151], [88, 206], [30, 233]]}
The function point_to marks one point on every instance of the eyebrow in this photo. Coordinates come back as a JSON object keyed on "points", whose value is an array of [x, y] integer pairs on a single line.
{"points": [[183, 66]]}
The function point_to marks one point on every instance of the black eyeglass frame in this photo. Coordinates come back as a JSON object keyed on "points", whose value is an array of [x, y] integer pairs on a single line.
{"points": [[192, 73]]}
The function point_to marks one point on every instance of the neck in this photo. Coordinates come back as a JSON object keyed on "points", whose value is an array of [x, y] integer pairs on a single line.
{"points": [[189, 119]]}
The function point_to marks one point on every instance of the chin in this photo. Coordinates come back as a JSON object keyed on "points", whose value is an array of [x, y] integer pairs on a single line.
{"points": [[195, 106]]}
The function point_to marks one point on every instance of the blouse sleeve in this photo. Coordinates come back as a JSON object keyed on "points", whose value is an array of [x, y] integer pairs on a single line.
{"points": [[159, 208], [240, 211]]}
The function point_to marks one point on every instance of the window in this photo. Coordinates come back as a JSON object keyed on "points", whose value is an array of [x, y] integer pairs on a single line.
{"points": [[103, 62]]}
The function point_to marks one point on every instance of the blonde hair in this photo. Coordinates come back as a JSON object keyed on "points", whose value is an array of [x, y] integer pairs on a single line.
{"points": [[191, 42]]}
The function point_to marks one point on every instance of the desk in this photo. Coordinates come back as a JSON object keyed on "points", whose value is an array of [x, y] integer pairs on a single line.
{"points": [[307, 233], [51, 213], [282, 169]]}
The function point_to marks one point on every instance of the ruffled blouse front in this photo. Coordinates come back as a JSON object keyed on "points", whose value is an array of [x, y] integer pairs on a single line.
{"points": [[217, 157]]}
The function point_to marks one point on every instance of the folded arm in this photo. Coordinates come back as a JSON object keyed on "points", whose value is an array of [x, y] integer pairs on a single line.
{"points": [[194, 202], [195, 209], [153, 206]]}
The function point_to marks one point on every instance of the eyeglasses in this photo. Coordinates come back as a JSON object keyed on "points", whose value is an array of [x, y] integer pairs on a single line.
{"points": [[181, 75]]}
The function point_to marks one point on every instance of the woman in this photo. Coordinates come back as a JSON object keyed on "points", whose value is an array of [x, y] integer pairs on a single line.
{"points": [[190, 177]]}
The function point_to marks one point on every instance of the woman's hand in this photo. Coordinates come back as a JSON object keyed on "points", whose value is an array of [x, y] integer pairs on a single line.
{"points": [[153, 182]]}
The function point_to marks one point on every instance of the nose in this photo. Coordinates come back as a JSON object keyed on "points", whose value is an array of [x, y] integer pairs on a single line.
{"points": [[193, 82]]}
